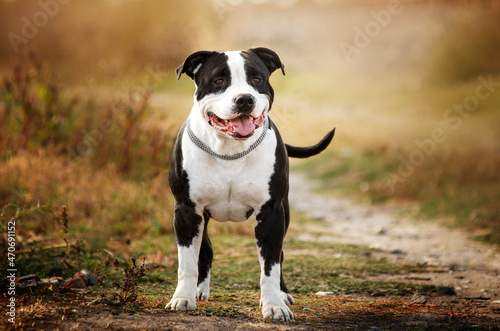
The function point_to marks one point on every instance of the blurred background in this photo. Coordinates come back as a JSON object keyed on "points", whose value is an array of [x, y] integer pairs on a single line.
{"points": [[90, 105]]}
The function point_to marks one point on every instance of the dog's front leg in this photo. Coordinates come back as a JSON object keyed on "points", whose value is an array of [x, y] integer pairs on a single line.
{"points": [[188, 227], [270, 231]]}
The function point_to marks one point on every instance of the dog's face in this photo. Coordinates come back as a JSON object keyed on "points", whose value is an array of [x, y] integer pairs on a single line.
{"points": [[233, 92]]}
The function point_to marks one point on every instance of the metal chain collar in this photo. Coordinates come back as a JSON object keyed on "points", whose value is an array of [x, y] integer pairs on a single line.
{"points": [[236, 156]]}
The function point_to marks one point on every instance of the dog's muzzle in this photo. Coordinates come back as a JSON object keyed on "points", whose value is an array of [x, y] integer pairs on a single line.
{"points": [[242, 126]]}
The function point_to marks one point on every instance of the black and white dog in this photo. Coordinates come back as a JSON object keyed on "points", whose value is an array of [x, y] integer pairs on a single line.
{"points": [[228, 163]]}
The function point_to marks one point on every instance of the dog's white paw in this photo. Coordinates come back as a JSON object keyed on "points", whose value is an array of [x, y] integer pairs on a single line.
{"points": [[203, 291], [181, 304], [281, 312], [287, 297]]}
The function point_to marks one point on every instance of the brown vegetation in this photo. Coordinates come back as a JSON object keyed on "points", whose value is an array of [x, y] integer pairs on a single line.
{"points": [[89, 154]]}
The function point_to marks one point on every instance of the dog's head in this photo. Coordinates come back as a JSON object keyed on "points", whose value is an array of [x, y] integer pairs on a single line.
{"points": [[233, 92]]}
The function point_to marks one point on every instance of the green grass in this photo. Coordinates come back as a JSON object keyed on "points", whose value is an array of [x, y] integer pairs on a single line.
{"points": [[309, 267]]}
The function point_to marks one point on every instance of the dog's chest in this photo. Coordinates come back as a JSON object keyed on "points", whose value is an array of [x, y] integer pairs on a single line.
{"points": [[230, 190]]}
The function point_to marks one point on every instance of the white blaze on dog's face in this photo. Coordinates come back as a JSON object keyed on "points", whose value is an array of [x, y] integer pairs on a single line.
{"points": [[233, 92], [238, 108]]}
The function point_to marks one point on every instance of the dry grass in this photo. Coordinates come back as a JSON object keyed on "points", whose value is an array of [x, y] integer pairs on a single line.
{"points": [[102, 159], [106, 39], [470, 47], [100, 201]]}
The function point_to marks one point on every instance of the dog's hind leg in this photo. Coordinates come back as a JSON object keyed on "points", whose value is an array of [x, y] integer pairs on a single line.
{"points": [[204, 264], [269, 233], [285, 293]]}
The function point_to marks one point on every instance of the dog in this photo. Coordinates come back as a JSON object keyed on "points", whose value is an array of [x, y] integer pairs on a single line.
{"points": [[229, 162]]}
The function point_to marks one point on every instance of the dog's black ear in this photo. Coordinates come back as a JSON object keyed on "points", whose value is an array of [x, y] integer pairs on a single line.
{"points": [[193, 63], [270, 58]]}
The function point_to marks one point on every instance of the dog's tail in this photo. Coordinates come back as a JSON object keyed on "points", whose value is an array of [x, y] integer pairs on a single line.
{"points": [[303, 152]]}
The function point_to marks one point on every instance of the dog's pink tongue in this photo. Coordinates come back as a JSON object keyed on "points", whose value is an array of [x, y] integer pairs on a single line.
{"points": [[243, 125]]}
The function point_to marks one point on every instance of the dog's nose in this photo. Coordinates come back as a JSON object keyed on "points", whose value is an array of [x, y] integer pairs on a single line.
{"points": [[245, 103]]}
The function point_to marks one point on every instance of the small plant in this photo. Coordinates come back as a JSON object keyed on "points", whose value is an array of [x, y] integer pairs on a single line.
{"points": [[63, 220], [128, 290], [79, 248]]}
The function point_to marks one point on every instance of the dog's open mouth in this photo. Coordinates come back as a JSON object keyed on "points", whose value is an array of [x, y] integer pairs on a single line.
{"points": [[242, 126]]}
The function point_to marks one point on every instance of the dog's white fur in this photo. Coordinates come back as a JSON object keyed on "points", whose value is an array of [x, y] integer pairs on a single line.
{"points": [[185, 294]]}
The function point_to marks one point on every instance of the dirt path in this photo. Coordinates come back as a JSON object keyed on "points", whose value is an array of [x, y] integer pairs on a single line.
{"points": [[470, 267]]}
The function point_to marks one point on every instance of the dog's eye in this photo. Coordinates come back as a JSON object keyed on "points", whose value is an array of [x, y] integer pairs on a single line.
{"points": [[256, 80], [219, 81]]}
